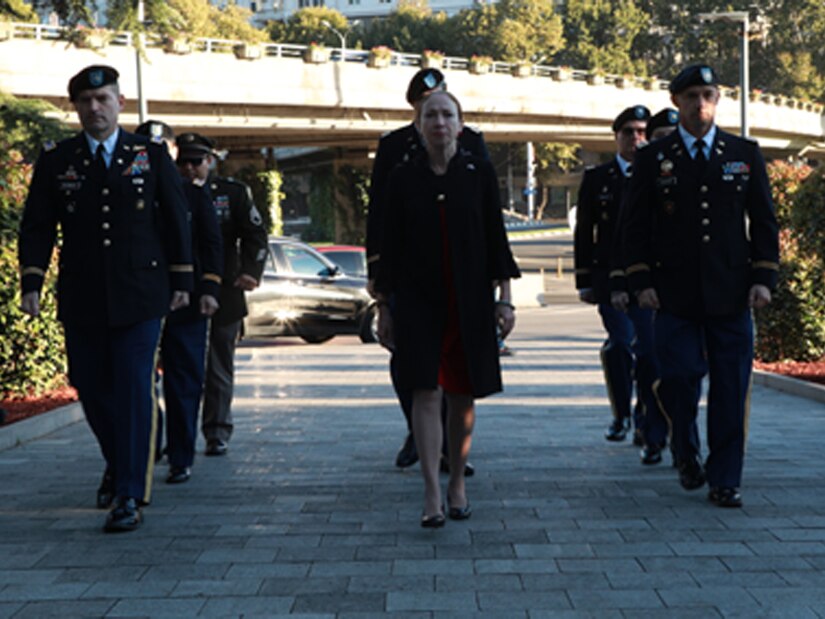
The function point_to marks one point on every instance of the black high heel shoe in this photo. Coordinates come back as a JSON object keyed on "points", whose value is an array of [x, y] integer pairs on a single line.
{"points": [[459, 513], [436, 521]]}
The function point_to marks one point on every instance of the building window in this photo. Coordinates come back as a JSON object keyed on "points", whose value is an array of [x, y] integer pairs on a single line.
{"points": [[253, 6]]}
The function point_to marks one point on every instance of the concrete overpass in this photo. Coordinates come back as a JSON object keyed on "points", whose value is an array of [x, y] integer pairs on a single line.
{"points": [[279, 99]]}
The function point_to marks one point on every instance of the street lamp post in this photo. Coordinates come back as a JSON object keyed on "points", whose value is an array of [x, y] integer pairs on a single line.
{"points": [[143, 110], [341, 36], [742, 18]]}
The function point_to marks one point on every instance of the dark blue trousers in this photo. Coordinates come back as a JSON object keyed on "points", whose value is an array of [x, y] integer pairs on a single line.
{"points": [[721, 347], [183, 353], [654, 425], [113, 370]]}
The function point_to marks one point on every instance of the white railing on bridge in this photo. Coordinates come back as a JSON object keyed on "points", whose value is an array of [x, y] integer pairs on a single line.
{"points": [[290, 50]]}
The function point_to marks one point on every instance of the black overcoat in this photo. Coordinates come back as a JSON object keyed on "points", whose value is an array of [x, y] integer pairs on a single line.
{"points": [[412, 267]]}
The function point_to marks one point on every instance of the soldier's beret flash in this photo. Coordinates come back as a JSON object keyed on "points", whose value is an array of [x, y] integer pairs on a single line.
{"points": [[92, 77], [195, 142], [694, 75], [424, 81], [635, 112], [667, 117], [156, 129]]}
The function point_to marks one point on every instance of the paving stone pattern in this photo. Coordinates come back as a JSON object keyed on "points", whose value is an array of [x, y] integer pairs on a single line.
{"points": [[307, 515]]}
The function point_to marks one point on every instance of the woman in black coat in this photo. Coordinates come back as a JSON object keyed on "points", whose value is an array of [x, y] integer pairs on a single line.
{"points": [[446, 266]]}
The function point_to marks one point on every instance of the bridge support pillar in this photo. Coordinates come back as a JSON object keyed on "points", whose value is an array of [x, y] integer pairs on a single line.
{"points": [[351, 172]]}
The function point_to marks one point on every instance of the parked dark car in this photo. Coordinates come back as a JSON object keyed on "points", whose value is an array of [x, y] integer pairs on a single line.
{"points": [[305, 294], [351, 258]]}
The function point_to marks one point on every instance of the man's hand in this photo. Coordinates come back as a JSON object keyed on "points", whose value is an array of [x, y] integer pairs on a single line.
{"points": [[505, 319], [180, 298], [759, 296], [386, 335], [587, 296], [246, 282], [648, 299], [209, 305], [620, 300], [30, 303]]}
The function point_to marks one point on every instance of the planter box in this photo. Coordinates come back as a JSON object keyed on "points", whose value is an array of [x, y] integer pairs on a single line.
{"points": [[248, 51], [316, 55], [562, 75], [6, 30], [595, 80], [92, 41], [431, 62], [479, 68], [625, 82], [522, 70], [177, 46], [378, 62]]}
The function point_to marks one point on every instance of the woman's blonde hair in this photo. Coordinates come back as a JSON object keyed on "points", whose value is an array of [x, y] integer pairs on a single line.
{"points": [[430, 95]]}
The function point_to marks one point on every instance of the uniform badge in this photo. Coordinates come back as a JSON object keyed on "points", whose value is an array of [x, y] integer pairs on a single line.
{"points": [[735, 167], [139, 165], [430, 81], [666, 167], [669, 207], [96, 78], [672, 117], [640, 112], [707, 75]]}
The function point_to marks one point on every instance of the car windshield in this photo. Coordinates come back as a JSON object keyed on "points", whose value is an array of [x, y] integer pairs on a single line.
{"points": [[352, 262], [302, 262]]}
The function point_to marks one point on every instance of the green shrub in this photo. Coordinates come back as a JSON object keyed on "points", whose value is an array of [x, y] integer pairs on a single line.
{"points": [[792, 327]]}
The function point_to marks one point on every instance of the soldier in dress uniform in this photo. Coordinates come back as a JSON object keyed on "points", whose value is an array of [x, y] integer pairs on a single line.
{"points": [[394, 148], [629, 344], [184, 339], [244, 252], [662, 123], [700, 242], [125, 261]]}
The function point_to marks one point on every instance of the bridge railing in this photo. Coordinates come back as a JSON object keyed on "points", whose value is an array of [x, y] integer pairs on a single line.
{"points": [[290, 50]]}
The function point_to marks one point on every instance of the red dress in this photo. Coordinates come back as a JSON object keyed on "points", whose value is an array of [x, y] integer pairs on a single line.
{"points": [[453, 375]]}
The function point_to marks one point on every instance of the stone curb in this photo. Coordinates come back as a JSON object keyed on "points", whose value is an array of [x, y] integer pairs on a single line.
{"points": [[46, 423], [39, 425]]}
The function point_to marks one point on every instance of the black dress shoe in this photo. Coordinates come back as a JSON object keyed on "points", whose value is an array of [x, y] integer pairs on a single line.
{"points": [[216, 447], [408, 454], [691, 474], [651, 455], [106, 491], [725, 497], [444, 467], [617, 431], [435, 521], [178, 475], [638, 439], [124, 517]]}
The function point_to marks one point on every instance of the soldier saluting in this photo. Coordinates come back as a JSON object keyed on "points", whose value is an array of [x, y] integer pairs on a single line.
{"points": [[125, 261], [701, 247]]}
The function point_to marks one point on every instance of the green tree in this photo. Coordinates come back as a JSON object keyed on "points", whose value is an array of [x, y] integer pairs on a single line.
{"points": [[307, 25], [17, 10], [601, 34], [528, 30]]}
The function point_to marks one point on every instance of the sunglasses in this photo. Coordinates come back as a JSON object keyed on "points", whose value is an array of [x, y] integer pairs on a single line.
{"points": [[193, 161]]}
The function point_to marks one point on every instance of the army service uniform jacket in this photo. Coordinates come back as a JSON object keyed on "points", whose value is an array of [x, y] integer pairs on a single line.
{"points": [[244, 243], [394, 148], [125, 234], [597, 213], [701, 240]]}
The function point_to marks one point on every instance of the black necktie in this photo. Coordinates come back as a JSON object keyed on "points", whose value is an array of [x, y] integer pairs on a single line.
{"points": [[99, 163], [700, 156]]}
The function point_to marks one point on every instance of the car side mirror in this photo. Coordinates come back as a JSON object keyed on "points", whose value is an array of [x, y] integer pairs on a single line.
{"points": [[331, 271]]}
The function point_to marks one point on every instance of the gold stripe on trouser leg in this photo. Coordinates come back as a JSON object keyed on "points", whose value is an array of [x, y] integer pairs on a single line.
{"points": [[655, 388], [747, 420], [153, 432], [610, 396]]}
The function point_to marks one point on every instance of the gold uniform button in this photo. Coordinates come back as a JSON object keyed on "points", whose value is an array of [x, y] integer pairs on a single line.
{"points": [[106, 242], [706, 238], [105, 191], [154, 263], [705, 205], [106, 225], [703, 188], [706, 222], [440, 197], [105, 208]]}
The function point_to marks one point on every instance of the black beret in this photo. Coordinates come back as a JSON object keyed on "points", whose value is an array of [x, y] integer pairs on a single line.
{"points": [[694, 75], [156, 130], [667, 117], [422, 82], [635, 112], [195, 142], [95, 76]]}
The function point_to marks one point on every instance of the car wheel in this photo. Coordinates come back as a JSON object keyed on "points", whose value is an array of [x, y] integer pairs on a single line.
{"points": [[316, 338], [369, 327]]}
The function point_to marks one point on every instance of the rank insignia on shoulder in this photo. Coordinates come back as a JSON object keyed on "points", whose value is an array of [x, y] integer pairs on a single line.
{"points": [[50, 145]]}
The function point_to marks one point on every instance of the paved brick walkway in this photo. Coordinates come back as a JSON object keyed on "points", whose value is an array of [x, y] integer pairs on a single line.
{"points": [[307, 515]]}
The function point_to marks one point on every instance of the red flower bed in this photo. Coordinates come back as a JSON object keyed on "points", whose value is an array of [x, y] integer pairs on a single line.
{"points": [[21, 408], [813, 371]]}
